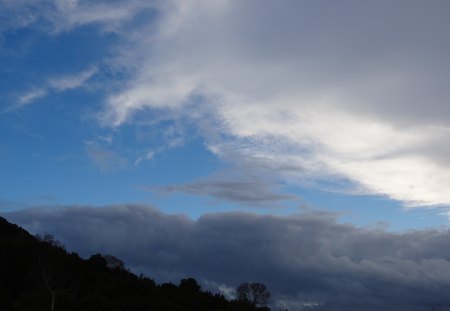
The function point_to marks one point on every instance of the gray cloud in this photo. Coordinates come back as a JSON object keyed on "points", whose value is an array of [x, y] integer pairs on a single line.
{"points": [[254, 193], [306, 260]]}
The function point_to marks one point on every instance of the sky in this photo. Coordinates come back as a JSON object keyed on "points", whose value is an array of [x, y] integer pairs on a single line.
{"points": [[317, 131]]}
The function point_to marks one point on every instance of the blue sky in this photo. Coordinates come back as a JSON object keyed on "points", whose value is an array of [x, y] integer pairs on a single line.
{"points": [[198, 107]]}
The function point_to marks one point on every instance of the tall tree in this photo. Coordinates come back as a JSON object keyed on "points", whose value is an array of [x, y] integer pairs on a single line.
{"points": [[255, 294]]}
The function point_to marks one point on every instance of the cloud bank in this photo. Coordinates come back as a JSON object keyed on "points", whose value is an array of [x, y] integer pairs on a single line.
{"points": [[307, 260]]}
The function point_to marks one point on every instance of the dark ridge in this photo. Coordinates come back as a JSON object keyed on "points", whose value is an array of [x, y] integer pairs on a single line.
{"points": [[37, 273], [9, 229]]}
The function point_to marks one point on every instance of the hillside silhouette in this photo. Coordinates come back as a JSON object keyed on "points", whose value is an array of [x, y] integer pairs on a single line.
{"points": [[37, 273]]}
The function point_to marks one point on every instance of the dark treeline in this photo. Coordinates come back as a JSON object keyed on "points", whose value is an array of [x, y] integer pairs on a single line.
{"points": [[37, 273]]}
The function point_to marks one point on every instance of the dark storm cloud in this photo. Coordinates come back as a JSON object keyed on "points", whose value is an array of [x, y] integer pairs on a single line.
{"points": [[254, 193], [307, 259]]}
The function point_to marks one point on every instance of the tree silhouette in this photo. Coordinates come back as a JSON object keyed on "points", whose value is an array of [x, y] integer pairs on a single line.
{"points": [[53, 267], [37, 273], [189, 285], [113, 262], [255, 294]]}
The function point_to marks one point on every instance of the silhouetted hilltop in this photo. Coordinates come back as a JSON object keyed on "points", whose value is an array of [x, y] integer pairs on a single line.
{"points": [[9, 229], [37, 273]]}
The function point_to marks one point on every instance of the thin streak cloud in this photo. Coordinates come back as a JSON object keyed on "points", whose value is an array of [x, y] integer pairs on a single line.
{"points": [[56, 84], [251, 193]]}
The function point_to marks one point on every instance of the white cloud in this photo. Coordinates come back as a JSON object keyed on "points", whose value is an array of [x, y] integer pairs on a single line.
{"points": [[31, 96], [340, 90], [56, 16], [56, 84], [148, 156], [73, 13], [68, 82]]}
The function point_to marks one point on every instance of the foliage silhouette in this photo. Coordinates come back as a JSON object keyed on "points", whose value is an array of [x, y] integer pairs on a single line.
{"points": [[255, 294], [38, 273]]}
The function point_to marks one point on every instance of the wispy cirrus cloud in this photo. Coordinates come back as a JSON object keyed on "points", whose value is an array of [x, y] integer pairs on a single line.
{"points": [[72, 14], [146, 157], [57, 16], [31, 96], [68, 82], [56, 84]]}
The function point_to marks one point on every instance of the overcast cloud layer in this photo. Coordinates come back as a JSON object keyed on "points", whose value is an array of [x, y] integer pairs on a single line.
{"points": [[303, 259]]}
